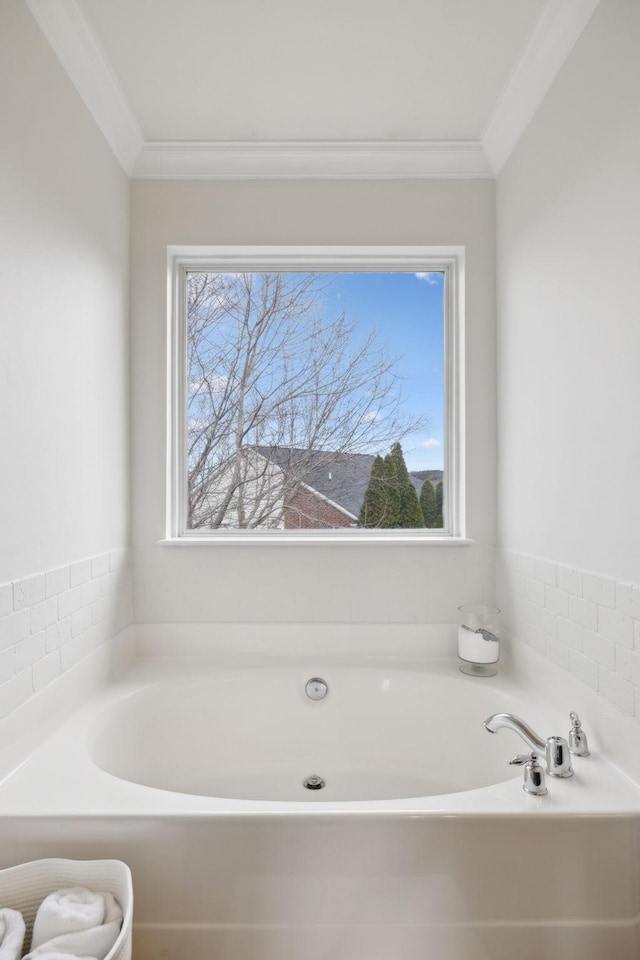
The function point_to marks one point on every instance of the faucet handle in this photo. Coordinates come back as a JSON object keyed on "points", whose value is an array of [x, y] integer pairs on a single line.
{"points": [[534, 782], [577, 737]]}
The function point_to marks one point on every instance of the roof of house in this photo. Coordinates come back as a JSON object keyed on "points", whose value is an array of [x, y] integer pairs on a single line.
{"points": [[340, 477]]}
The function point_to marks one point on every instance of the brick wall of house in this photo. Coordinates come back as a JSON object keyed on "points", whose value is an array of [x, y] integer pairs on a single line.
{"points": [[309, 512]]}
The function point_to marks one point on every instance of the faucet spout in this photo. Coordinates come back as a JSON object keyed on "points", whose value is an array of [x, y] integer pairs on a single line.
{"points": [[556, 749], [509, 721]]}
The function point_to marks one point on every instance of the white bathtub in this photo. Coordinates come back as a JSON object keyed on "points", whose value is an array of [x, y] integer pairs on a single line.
{"points": [[191, 771], [226, 736], [379, 734]]}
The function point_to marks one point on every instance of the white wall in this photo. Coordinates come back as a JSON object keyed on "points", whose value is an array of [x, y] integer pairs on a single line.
{"points": [[568, 227], [64, 483], [568, 206], [306, 583]]}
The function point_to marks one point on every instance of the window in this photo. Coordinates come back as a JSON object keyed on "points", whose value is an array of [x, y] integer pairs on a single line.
{"points": [[315, 392]]}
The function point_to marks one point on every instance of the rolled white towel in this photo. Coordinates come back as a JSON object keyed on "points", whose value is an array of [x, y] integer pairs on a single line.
{"points": [[11, 934], [76, 921], [61, 956]]}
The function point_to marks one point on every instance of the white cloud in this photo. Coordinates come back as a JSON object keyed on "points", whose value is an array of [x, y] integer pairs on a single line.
{"points": [[430, 278], [429, 443], [370, 417], [217, 384]]}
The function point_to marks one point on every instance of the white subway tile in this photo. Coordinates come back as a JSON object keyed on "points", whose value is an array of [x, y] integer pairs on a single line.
{"points": [[615, 626], [525, 610], [557, 601], [534, 591], [569, 632], [6, 664], [29, 591], [56, 581], [80, 621], [570, 580], [79, 572], [46, 670], [14, 628], [74, 651], [628, 665], [619, 692], [548, 622], [628, 599], [558, 652], [69, 602], [90, 592], [27, 651], [44, 614], [600, 649], [101, 609], [534, 637], [546, 572], [584, 669], [583, 613], [15, 691], [6, 599], [64, 630], [52, 637], [100, 566], [599, 590]]}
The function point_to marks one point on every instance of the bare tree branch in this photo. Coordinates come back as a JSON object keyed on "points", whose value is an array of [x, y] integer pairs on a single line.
{"points": [[269, 369]]}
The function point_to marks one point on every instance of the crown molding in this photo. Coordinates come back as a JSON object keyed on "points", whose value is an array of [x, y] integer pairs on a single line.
{"points": [[326, 160], [553, 39], [71, 38], [75, 45]]}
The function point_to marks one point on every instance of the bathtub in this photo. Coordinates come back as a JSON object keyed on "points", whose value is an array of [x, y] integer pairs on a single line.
{"points": [[380, 734], [182, 736], [192, 770]]}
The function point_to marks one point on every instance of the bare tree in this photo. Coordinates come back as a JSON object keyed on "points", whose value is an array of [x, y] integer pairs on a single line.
{"points": [[270, 371]]}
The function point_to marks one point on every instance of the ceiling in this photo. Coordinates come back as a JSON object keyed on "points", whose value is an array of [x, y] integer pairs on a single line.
{"points": [[297, 88]]}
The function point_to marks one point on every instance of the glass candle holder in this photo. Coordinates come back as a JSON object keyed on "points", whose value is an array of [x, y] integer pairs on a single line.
{"points": [[478, 643]]}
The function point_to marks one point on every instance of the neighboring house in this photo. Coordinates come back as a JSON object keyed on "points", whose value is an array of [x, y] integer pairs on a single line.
{"points": [[247, 491], [331, 486], [293, 489]]}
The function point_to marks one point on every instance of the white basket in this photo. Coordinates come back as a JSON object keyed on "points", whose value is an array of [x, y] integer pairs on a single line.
{"points": [[24, 888]]}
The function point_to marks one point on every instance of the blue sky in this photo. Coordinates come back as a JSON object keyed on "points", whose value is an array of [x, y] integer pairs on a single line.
{"points": [[407, 310]]}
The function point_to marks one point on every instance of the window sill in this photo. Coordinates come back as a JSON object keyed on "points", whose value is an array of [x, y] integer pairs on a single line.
{"points": [[239, 539]]}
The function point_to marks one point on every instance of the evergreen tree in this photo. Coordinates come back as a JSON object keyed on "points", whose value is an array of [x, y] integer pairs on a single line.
{"points": [[393, 502], [409, 513], [390, 500], [439, 514], [373, 506], [428, 504]]}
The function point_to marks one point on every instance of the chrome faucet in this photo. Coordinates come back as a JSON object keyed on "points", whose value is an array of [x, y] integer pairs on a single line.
{"points": [[556, 749]]}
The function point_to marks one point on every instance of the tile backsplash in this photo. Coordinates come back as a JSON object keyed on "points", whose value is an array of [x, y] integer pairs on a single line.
{"points": [[589, 625], [585, 623], [51, 620]]}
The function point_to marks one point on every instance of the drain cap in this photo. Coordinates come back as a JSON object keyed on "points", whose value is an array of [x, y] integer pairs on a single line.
{"points": [[314, 782]]}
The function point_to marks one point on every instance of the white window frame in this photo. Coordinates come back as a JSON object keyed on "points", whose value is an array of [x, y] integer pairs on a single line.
{"points": [[334, 259]]}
